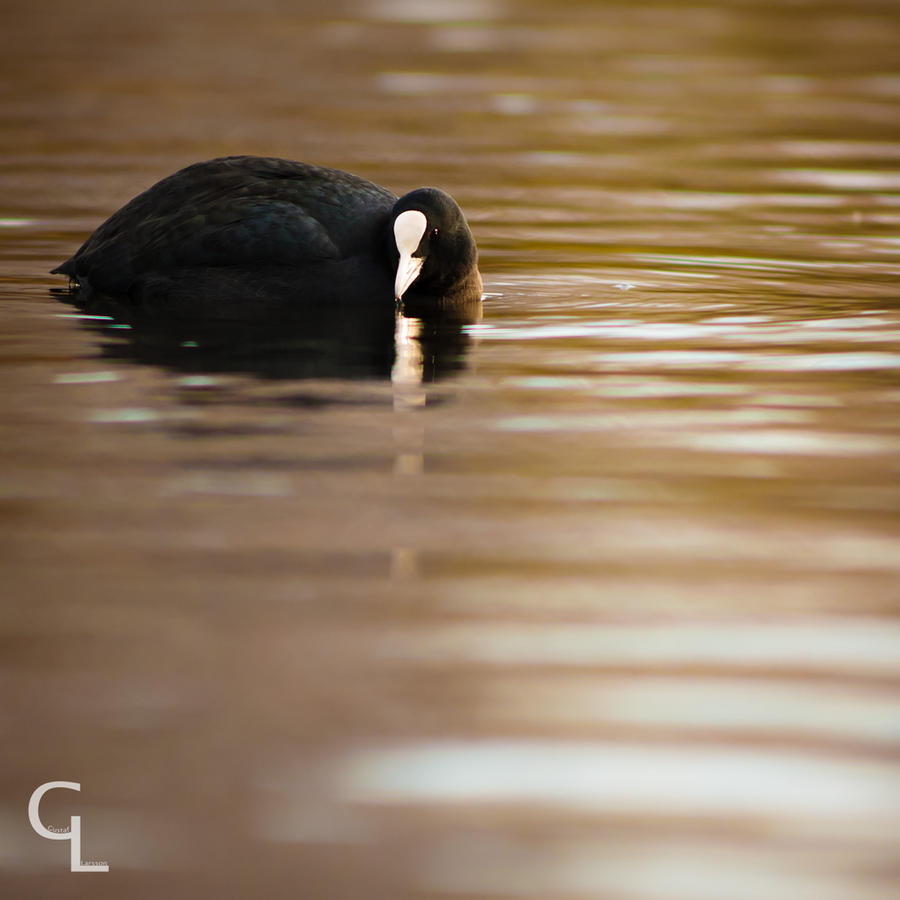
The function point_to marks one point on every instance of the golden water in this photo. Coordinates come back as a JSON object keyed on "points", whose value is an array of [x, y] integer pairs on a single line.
{"points": [[598, 600]]}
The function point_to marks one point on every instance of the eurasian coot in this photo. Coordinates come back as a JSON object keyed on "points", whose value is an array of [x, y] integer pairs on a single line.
{"points": [[255, 235]]}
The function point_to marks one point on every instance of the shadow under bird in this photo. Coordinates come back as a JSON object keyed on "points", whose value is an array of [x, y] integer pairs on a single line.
{"points": [[260, 239]]}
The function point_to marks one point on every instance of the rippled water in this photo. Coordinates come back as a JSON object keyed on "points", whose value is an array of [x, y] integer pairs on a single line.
{"points": [[596, 597]]}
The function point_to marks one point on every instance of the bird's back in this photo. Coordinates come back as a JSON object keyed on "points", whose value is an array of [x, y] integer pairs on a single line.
{"points": [[238, 211]]}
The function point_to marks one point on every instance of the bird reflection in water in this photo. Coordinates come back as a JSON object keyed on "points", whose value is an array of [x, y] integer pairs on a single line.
{"points": [[340, 340], [408, 346]]}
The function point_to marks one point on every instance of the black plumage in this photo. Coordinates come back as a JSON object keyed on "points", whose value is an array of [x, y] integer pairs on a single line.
{"points": [[254, 237]]}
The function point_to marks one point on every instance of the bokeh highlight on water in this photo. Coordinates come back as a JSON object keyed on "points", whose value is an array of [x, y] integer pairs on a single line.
{"points": [[596, 597]]}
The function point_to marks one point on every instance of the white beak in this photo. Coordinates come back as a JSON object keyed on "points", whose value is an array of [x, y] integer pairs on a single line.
{"points": [[407, 272], [409, 227]]}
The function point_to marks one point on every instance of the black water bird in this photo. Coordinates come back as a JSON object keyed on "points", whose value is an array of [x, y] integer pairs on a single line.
{"points": [[255, 238]]}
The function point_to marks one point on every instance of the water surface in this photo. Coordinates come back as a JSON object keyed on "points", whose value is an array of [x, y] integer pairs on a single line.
{"points": [[596, 597]]}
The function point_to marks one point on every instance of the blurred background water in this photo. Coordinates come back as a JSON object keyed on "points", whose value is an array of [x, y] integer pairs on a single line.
{"points": [[596, 599]]}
